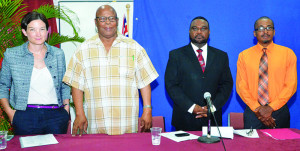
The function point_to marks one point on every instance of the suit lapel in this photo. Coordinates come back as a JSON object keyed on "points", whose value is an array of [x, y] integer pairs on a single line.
{"points": [[189, 52], [210, 57]]}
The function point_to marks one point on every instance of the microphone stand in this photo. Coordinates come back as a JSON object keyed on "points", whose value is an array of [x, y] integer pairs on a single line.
{"points": [[208, 139]]}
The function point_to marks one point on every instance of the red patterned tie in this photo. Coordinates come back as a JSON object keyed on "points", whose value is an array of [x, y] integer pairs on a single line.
{"points": [[263, 94], [200, 59]]}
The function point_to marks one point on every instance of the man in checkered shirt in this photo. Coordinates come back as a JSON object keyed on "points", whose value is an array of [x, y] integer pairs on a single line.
{"points": [[108, 70]]}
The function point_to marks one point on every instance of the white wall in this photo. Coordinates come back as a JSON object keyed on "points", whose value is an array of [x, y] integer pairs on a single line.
{"points": [[85, 11]]}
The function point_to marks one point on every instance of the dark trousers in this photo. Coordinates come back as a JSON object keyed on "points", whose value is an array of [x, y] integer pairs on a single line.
{"points": [[281, 116], [41, 121], [190, 123]]}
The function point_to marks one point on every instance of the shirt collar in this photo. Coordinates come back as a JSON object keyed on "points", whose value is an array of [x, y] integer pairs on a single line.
{"points": [[195, 48], [120, 38], [26, 50], [269, 47]]}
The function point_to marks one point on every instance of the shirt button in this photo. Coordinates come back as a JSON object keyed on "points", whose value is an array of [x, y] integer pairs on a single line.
{"points": [[54, 77], [50, 66]]}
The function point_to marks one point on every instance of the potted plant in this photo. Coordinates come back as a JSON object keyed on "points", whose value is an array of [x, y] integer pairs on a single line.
{"points": [[11, 14]]}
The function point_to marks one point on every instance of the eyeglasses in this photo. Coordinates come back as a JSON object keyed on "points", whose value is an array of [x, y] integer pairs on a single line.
{"points": [[110, 18], [263, 28], [194, 28]]}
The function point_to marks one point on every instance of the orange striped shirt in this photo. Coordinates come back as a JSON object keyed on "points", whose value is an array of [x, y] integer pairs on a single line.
{"points": [[282, 75]]}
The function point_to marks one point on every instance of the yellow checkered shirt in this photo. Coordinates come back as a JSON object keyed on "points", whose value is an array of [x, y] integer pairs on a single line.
{"points": [[110, 82]]}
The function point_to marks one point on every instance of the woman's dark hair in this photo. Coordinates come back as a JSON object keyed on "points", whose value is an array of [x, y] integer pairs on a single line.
{"points": [[33, 16]]}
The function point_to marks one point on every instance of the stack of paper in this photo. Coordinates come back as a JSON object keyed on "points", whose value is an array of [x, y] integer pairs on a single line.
{"points": [[247, 133], [171, 135], [281, 134], [226, 132], [38, 140]]}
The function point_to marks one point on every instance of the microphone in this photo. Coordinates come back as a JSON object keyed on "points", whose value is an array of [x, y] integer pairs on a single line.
{"points": [[211, 109], [207, 97]]}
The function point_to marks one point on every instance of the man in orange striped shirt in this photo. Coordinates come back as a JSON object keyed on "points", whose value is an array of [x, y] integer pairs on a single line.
{"points": [[279, 82]]}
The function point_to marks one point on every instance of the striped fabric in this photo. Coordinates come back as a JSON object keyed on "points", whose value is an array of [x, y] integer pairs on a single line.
{"points": [[110, 82], [201, 59], [263, 95]]}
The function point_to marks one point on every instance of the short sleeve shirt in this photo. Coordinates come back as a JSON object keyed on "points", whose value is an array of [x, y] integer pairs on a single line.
{"points": [[110, 82]]}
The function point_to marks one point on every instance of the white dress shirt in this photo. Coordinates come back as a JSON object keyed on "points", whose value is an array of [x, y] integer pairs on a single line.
{"points": [[204, 54]]}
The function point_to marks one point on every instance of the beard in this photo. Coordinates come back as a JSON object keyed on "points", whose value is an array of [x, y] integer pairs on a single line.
{"points": [[266, 41], [196, 41]]}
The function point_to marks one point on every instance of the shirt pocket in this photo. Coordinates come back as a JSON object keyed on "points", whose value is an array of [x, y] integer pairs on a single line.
{"points": [[123, 66]]}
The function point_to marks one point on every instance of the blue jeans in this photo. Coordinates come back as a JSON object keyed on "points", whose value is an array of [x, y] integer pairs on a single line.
{"points": [[41, 121]]}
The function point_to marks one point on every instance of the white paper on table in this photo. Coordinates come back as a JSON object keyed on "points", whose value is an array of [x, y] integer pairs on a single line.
{"points": [[171, 135], [226, 132], [243, 132], [38, 140]]}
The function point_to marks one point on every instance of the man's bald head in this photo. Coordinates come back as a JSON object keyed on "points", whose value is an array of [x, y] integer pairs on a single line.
{"points": [[106, 7]]}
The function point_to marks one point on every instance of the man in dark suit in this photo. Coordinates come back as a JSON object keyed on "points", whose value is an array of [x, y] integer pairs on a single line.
{"points": [[193, 70]]}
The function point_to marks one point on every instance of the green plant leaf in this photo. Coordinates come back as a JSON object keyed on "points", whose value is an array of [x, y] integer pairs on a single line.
{"points": [[66, 15], [55, 38], [11, 14]]}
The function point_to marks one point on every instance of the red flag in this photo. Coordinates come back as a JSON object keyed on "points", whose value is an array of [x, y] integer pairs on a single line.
{"points": [[1, 59], [124, 27]]}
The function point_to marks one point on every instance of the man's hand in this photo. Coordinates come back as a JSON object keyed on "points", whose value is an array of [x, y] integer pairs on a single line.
{"points": [[264, 114], [146, 120], [80, 123], [200, 111]]}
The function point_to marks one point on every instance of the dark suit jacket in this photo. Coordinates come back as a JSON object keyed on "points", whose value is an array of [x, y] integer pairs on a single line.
{"points": [[186, 84]]}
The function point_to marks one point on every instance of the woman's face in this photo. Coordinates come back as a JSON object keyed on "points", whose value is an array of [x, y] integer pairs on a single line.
{"points": [[36, 32]]}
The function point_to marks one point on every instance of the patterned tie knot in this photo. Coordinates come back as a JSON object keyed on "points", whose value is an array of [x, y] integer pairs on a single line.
{"points": [[199, 50], [264, 50]]}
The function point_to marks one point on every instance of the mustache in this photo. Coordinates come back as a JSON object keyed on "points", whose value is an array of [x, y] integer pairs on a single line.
{"points": [[198, 36], [265, 35]]}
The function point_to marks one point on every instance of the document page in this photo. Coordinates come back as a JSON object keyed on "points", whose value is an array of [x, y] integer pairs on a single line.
{"points": [[171, 135], [250, 133], [281, 133], [226, 132], [38, 140]]}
